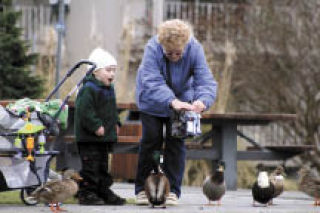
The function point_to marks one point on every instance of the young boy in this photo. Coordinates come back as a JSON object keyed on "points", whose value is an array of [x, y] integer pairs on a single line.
{"points": [[96, 127]]}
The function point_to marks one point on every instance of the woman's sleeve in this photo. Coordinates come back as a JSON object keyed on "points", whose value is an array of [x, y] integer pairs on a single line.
{"points": [[154, 85], [204, 84]]}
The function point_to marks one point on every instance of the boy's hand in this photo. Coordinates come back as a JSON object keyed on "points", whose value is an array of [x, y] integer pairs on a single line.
{"points": [[198, 106], [181, 106], [117, 129], [100, 131]]}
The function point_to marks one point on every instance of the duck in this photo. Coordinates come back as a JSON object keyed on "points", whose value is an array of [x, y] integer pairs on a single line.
{"points": [[214, 186], [309, 184], [277, 179], [262, 189], [157, 186], [57, 191]]}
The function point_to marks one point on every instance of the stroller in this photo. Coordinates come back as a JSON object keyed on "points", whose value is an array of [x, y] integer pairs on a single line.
{"points": [[25, 163]]}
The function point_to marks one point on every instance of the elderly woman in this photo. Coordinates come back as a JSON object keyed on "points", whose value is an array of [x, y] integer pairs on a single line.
{"points": [[173, 75]]}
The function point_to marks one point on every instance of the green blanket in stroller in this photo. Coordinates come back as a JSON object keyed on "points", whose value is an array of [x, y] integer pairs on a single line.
{"points": [[50, 107], [11, 116]]}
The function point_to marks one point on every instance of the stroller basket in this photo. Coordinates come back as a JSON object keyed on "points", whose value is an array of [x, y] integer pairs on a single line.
{"points": [[16, 172]]}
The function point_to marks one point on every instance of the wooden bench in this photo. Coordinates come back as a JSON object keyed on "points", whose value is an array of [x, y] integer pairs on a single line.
{"points": [[124, 153], [129, 144], [121, 139], [294, 149], [223, 134], [274, 152]]}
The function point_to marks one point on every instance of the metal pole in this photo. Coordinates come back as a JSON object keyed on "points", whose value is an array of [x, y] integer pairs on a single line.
{"points": [[60, 30], [158, 8]]}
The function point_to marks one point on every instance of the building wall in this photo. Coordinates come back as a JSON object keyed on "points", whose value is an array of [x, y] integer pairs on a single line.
{"points": [[97, 23]]}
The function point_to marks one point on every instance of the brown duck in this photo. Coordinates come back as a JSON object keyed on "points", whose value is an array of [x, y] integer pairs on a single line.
{"points": [[309, 184], [214, 186], [157, 186], [57, 191], [277, 179]]}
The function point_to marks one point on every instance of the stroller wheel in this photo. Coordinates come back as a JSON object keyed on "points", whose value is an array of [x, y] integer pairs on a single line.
{"points": [[26, 198]]}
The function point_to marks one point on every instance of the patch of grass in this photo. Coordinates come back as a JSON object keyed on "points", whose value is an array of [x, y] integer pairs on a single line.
{"points": [[290, 185], [131, 201], [13, 197], [71, 201], [246, 174], [10, 197], [196, 171]]}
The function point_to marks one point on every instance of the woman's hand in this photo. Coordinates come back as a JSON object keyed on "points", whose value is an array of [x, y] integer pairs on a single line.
{"points": [[100, 131], [198, 106], [181, 106]]}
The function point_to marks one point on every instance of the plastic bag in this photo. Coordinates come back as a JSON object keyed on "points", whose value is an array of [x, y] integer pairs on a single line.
{"points": [[185, 124]]}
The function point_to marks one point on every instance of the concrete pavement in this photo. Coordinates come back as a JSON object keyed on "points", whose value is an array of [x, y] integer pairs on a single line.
{"points": [[192, 200]]}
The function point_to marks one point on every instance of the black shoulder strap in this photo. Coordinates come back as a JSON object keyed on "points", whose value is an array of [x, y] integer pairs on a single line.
{"points": [[168, 79], [168, 74]]}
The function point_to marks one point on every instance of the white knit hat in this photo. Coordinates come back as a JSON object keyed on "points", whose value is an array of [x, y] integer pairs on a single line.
{"points": [[101, 58]]}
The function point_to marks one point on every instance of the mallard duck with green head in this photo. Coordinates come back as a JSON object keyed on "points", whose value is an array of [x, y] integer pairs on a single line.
{"points": [[157, 186], [57, 191], [214, 186]]}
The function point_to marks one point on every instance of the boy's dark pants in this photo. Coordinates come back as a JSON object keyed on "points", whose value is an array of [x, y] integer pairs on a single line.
{"points": [[174, 153], [96, 179]]}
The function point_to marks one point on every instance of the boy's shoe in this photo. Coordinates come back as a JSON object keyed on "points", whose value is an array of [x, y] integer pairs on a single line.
{"points": [[112, 199], [172, 199], [90, 199], [141, 198]]}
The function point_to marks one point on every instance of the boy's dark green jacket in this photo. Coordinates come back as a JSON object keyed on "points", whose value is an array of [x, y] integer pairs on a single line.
{"points": [[96, 106]]}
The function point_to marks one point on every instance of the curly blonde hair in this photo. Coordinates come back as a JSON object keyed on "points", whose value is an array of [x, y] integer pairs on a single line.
{"points": [[174, 34]]}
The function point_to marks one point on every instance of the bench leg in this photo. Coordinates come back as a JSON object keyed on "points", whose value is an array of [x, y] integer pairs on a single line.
{"points": [[225, 140]]}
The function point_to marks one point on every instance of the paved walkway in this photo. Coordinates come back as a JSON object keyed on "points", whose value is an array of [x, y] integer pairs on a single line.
{"points": [[192, 200]]}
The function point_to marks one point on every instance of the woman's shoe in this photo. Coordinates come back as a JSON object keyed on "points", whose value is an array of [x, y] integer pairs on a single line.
{"points": [[172, 199], [141, 198]]}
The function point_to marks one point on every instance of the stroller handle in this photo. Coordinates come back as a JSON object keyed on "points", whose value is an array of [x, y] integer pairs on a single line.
{"points": [[92, 68], [69, 73], [76, 66]]}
